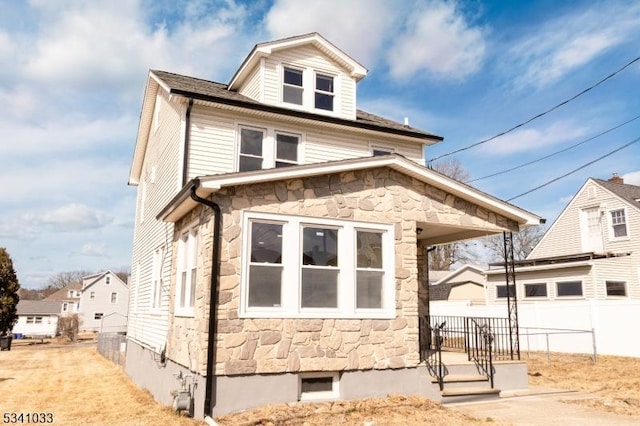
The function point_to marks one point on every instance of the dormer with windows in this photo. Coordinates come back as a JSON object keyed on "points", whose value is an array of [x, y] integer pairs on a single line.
{"points": [[303, 73]]}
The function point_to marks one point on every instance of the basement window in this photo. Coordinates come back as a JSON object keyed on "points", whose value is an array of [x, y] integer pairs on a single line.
{"points": [[317, 386]]}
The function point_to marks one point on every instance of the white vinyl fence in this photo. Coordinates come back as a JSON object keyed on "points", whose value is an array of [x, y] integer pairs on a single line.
{"points": [[613, 322]]}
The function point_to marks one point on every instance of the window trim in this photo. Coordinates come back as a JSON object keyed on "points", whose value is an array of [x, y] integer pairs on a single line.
{"points": [[334, 393], [500, 286], [546, 288], [316, 91], [570, 296], [302, 75], [187, 263], [616, 296], [114, 302], [239, 153], [95, 314], [292, 269], [612, 234], [157, 262]]}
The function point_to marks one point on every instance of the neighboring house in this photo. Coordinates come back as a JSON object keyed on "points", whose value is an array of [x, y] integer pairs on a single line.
{"points": [[465, 283], [104, 303], [69, 298], [310, 278], [592, 250], [37, 318]]}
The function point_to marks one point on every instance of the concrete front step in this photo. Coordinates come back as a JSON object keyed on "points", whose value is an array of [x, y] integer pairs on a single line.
{"points": [[456, 381], [469, 394]]}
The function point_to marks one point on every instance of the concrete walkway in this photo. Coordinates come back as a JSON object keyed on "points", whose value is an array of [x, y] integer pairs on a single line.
{"points": [[541, 406]]}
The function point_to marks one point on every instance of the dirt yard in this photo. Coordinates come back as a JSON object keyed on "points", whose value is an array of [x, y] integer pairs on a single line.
{"points": [[613, 381], [77, 386]]}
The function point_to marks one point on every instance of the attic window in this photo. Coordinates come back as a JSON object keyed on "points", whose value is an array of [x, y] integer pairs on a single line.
{"points": [[292, 86], [324, 92]]}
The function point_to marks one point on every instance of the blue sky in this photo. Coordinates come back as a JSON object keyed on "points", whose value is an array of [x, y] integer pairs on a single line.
{"points": [[72, 76]]}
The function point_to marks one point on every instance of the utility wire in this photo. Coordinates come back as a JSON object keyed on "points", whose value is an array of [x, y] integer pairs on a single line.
{"points": [[575, 170], [555, 153], [517, 126]]}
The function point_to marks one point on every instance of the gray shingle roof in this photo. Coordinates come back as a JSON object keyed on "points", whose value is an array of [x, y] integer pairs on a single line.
{"points": [[46, 307], [630, 193], [217, 92]]}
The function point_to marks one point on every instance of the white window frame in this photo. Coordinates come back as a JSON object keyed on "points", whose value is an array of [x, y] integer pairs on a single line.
{"points": [[499, 286], [524, 290], [290, 306], [612, 224], [31, 320], [571, 296], [187, 272], [114, 298], [107, 280], [97, 316], [92, 295], [334, 79], [382, 149], [616, 296], [239, 146], [301, 87], [156, 278], [334, 393], [269, 145]]}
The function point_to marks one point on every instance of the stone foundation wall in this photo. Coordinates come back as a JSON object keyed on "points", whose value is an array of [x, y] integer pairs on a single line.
{"points": [[250, 346]]}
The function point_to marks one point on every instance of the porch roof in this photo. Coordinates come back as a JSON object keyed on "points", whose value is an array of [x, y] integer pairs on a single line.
{"points": [[438, 233]]}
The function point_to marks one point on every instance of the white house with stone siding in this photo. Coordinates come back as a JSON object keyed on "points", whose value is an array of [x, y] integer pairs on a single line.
{"points": [[280, 235]]}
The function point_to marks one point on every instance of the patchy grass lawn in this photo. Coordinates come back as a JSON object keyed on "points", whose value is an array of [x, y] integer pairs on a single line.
{"points": [[77, 386], [614, 381]]}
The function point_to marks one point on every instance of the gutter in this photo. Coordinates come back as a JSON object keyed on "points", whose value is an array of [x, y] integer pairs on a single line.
{"points": [[213, 301], [187, 142]]}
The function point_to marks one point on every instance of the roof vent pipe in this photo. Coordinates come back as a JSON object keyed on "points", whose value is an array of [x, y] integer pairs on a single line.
{"points": [[406, 121]]}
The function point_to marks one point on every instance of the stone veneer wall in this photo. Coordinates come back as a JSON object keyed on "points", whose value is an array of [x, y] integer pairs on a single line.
{"points": [[260, 346]]}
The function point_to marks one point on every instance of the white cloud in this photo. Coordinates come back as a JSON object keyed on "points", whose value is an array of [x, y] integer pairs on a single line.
{"points": [[74, 217], [96, 250], [632, 178], [437, 40], [357, 26], [550, 51], [534, 138]]}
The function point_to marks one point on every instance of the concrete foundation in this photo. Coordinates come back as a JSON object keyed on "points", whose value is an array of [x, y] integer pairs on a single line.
{"points": [[147, 371]]}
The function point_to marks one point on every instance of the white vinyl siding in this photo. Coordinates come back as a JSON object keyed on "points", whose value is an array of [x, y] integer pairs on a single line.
{"points": [[164, 154], [214, 136], [253, 84], [311, 59]]}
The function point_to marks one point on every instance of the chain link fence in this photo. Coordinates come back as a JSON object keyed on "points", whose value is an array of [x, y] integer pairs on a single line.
{"points": [[112, 346]]}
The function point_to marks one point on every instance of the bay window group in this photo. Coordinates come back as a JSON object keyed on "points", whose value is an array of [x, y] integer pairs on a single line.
{"points": [[299, 266]]}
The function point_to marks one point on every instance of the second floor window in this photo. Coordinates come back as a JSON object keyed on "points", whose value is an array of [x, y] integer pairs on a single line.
{"points": [[619, 223], [292, 86], [114, 298], [286, 150], [324, 92], [250, 149]]}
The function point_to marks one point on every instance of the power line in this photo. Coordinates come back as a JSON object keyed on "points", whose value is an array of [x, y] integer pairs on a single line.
{"points": [[517, 126], [555, 153], [575, 170]]}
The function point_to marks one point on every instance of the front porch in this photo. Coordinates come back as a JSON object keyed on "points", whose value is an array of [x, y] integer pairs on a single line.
{"points": [[470, 358]]}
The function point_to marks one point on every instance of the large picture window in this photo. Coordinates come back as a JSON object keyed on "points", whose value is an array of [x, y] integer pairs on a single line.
{"points": [[616, 288], [329, 269], [187, 272], [535, 290]]}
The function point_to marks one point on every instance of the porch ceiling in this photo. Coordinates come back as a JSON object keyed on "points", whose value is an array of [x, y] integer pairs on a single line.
{"points": [[436, 233]]}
